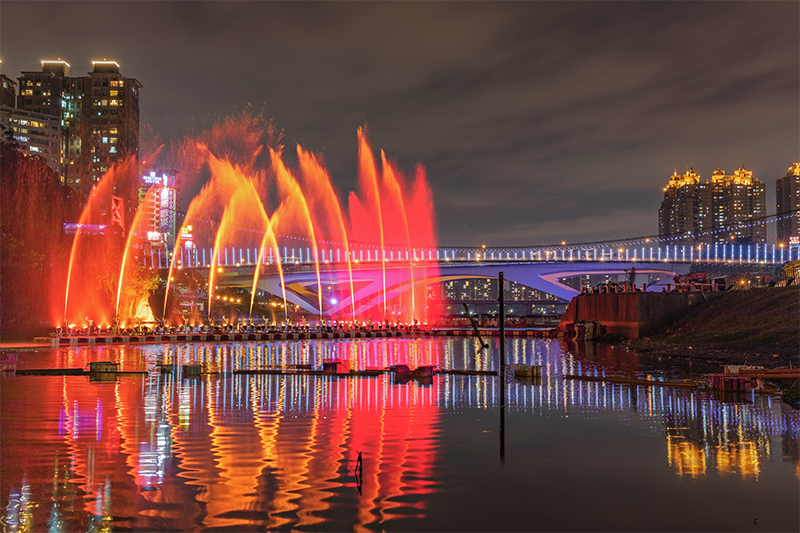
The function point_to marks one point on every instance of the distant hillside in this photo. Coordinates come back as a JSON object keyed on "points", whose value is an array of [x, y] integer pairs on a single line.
{"points": [[756, 320]]}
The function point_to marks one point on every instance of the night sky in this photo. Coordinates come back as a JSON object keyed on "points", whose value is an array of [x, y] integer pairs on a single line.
{"points": [[537, 122]]}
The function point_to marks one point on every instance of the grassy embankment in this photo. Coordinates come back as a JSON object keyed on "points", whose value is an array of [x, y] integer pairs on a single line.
{"points": [[759, 325]]}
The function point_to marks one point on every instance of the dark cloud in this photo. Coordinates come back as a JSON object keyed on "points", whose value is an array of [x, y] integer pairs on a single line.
{"points": [[536, 121]]}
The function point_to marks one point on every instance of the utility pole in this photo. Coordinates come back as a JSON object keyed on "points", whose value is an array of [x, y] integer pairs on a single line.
{"points": [[501, 301]]}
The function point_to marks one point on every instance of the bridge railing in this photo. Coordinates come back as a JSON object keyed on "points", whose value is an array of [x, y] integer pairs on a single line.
{"points": [[364, 257]]}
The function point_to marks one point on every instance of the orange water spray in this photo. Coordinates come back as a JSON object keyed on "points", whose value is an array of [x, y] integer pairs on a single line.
{"points": [[248, 190], [269, 234], [392, 180], [69, 274], [131, 234], [215, 195], [287, 180], [171, 268], [93, 254], [311, 166], [369, 172], [212, 268]]}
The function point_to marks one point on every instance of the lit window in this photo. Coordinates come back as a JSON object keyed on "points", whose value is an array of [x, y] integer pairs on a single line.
{"points": [[105, 140], [104, 102], [112, 150], [113, 103]]}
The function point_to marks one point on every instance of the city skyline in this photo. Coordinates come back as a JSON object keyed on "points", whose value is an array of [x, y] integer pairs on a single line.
{"points": [[577, 123]]}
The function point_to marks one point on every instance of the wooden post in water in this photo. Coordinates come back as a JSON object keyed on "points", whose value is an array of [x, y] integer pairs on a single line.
{"points": [[501, 301]]}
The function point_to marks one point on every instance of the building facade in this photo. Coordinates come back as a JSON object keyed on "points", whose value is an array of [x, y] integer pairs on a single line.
{"points": [[36, 134], [685, 210], [786, 198], [725, 208], [739, 200], [111, 118], [158, 222], [98, 114], [8, 92]]}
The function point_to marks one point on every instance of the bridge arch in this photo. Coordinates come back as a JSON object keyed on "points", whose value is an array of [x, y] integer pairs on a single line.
{"points": [[301, 287]]}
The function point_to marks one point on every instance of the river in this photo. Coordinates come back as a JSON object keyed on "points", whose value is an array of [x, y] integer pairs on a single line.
{"points": [[245, 452]]}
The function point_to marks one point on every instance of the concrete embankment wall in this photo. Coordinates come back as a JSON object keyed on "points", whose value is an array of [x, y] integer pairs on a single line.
{"points": [[632, 314]]}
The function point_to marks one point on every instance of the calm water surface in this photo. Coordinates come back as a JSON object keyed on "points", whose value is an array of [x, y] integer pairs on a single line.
{"points": [[257, 452]]}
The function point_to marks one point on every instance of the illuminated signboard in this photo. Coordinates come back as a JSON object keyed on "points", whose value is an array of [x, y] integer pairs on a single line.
{"points": [[84, 229], [159, 179], [186, 233], [153, 179]]}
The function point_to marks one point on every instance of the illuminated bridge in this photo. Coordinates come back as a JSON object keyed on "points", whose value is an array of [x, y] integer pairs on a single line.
{"points": [[380, 274], [369, 254]]}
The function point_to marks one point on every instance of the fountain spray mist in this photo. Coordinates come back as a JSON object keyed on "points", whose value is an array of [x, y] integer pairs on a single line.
{"points": [[392, 181], [368, 176], [312, 168], [289, 183], [128, 242], [231, 210]]}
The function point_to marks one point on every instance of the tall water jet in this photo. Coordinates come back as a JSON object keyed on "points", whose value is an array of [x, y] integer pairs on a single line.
{"points": [[207, 206], [290, 185], [270, 234], [215, 259], [244, 221], [96, 250], [422, 225], [392, 181], [368, 179], [132, 233], [313, 170]]}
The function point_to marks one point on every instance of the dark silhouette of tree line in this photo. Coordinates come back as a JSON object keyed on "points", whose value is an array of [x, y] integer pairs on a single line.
{"points": [[34, 249]]}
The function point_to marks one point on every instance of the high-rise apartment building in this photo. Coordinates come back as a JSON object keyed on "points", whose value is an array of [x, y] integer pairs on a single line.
{"points": [[685, 210], [8, 91], [36, 134], [723, 209], [111, 118], [738, 201], [99, 115], [786, 198]]}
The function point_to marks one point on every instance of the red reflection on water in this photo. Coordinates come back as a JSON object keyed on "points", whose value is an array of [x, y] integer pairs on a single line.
{"points": [[267, 450]]}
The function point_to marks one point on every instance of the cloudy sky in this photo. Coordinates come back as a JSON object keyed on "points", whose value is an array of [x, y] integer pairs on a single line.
{"points": [[537, 122]]}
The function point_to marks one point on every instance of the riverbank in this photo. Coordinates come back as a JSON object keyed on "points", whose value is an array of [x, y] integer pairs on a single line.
{"points": [[757, 326]]}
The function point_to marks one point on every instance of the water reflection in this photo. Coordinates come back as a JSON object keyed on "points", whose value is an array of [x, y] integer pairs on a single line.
{"points": [[165, 451]]}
